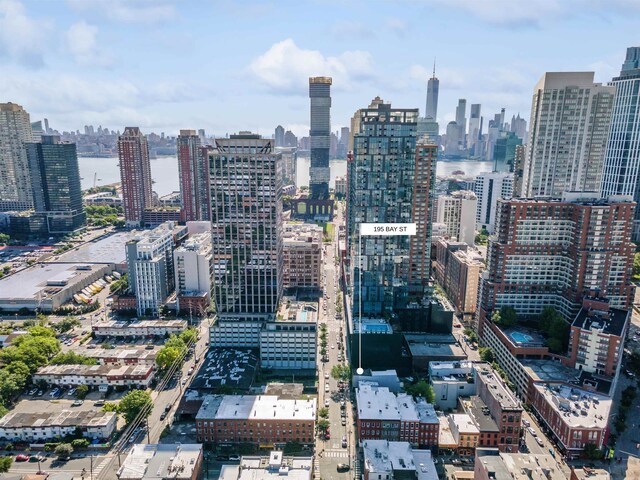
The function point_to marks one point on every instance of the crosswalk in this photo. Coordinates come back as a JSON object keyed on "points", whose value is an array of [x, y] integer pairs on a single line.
{"points": [[100, 466], [336, 453]]}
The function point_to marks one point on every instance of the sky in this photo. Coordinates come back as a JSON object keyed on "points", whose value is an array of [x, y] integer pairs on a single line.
{"points": [[231, 65]]}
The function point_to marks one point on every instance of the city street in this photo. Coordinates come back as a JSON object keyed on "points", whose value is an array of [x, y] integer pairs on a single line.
{"points": [[330, 453]]}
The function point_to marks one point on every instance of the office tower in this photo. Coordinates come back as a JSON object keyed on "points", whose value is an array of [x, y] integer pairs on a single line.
{"points": [[150, 265], [452, 143], [461, 119], [458, 212], [46, 125], [320, 96], [621, 174], [433, 86], [246, 217], [135, 175], [518, 169], [55, 179], [193, 168], [302, 257], [15, 181], [333, 145], [489, 187], [343, 143], [193, 266], [279, 136], [504, 152], [570, 117], [391, 180], [289, 165], [519, 127], [290, 140], [475, 130], [584, 249]]}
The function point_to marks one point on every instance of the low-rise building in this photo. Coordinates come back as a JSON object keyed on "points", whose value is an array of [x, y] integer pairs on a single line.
{"points": [[457, 269], [40, 426], [491, 464], [290, 342], [138, 329], [381, 378], [588, 473], [240, 330], [302, 256], [383, 415], [129, 355], [451, 380], [574, 416], [266, 420], [465, 433], [276, 466], [96, 375], [396, 461], [182, 461], [482, 419]]}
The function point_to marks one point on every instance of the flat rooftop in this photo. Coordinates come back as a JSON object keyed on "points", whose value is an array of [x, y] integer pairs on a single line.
{"points": [[577, 407], [122, 324], [231, 367], [95, 370], [258, 407], [294, 311], [376, 403], [518, 466], [479, 412], [384, 457], [153, 461], [611, 322], [496, 387], [110, 249], [372, 326], [445, 436], [82, 418], [32, 282], [524, 337], [140, 353], [272, 467], [440, 346], [464, 424]]}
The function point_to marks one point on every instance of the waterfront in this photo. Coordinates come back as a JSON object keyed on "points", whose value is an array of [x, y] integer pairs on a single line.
{"points": [[165, 171]]}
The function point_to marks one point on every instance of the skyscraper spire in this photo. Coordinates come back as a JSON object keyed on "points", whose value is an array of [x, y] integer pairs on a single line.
{"points": [[434, 67]]}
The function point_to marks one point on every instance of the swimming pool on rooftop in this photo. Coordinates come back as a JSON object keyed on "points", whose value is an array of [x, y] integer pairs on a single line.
{"points": [[521, 337]]}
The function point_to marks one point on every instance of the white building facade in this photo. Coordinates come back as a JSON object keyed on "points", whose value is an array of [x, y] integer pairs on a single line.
{"points": [[489, 187], [458, 212]]}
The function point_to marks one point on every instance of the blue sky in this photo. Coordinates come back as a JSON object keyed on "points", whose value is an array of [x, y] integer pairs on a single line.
{"points": [[227, 65]]}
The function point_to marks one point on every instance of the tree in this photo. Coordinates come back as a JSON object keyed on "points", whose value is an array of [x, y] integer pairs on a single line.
{"points": [[341, 372], [190, 335], [40, 331], [323, 425], [486, 354], [133, 403], [66, 324], [421, 389], [508, 316], [323, 412], [110, 407], [166, 357], [82, 391], [80, 443], [64, 450], [176, 342], [5, 464], [72, 358], [592, 452]]}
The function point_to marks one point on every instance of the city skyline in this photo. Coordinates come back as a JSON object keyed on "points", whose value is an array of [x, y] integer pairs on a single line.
{"points": [[76, 65]]}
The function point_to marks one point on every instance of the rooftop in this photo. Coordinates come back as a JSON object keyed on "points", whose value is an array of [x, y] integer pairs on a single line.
{"points": [[611, 322], [479, 413], [496, 388], [132, 352], [165, 461], [275, 466], [445, 436], [257, 407], [232, 367], [524, 337], [171, 323], [380, 403], [517, 466], [95, 370], [82, 418], [554, 371], [586, 473], [300, 312], [463, 423], [108, 249], [450, 371], [441, 346], [372, 326], [382, 456], [577, 407]]}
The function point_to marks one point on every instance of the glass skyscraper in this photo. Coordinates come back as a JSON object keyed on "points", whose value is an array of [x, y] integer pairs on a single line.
{"points": [[622, 158], [319, 136], [391, 180]]}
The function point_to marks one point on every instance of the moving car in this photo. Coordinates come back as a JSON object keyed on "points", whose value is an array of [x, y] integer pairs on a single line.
{"points": [[22, 457], [343, 467], [540, 442], [234, 458], [532, 431], [344, 441]]}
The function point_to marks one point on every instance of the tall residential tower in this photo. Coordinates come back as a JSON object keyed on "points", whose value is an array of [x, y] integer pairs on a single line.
{"points": [[193, 167], [15, 182], [135, 175], [622, 159], [319, 134]]}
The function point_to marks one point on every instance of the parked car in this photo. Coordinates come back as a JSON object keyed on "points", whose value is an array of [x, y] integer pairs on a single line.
{"points": [[77, 403], [343, 421], [22, 457], [540, 442], [163, 415], [326, 402], [71, 392], [343, 467], [344, 441], [54, 392], [532, 431], [526, 423], [234, 458]]}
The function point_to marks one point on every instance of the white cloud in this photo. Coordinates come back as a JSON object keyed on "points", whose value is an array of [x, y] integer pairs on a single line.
{"points": [[128, 11], [348, 30], [22, 38], [81, 41], [285, 68], [398, 26]]}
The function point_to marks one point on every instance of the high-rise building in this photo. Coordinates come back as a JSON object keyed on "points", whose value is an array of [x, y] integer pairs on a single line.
{"points": [[15, 181], [135, 175], [193, 168], [320, 96], [246, 217], [458, 212], [475, 128], [570, 117], [554, 253], [150, 267], [193, 266], [302, 257], [290, 140], [622, 159], [489, 187], [453, 144], [518, 169], [519, 127], [461, 118], [433, 87], [55, 180], [391, 180], [289, 165], [279, 136], [504, 152]]}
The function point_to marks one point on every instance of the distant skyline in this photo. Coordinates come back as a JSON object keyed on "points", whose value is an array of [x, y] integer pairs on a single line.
{"points": [[226, 65]]}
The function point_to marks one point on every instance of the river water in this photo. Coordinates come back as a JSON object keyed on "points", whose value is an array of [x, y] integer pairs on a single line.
{"points": [[164, 171]]}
